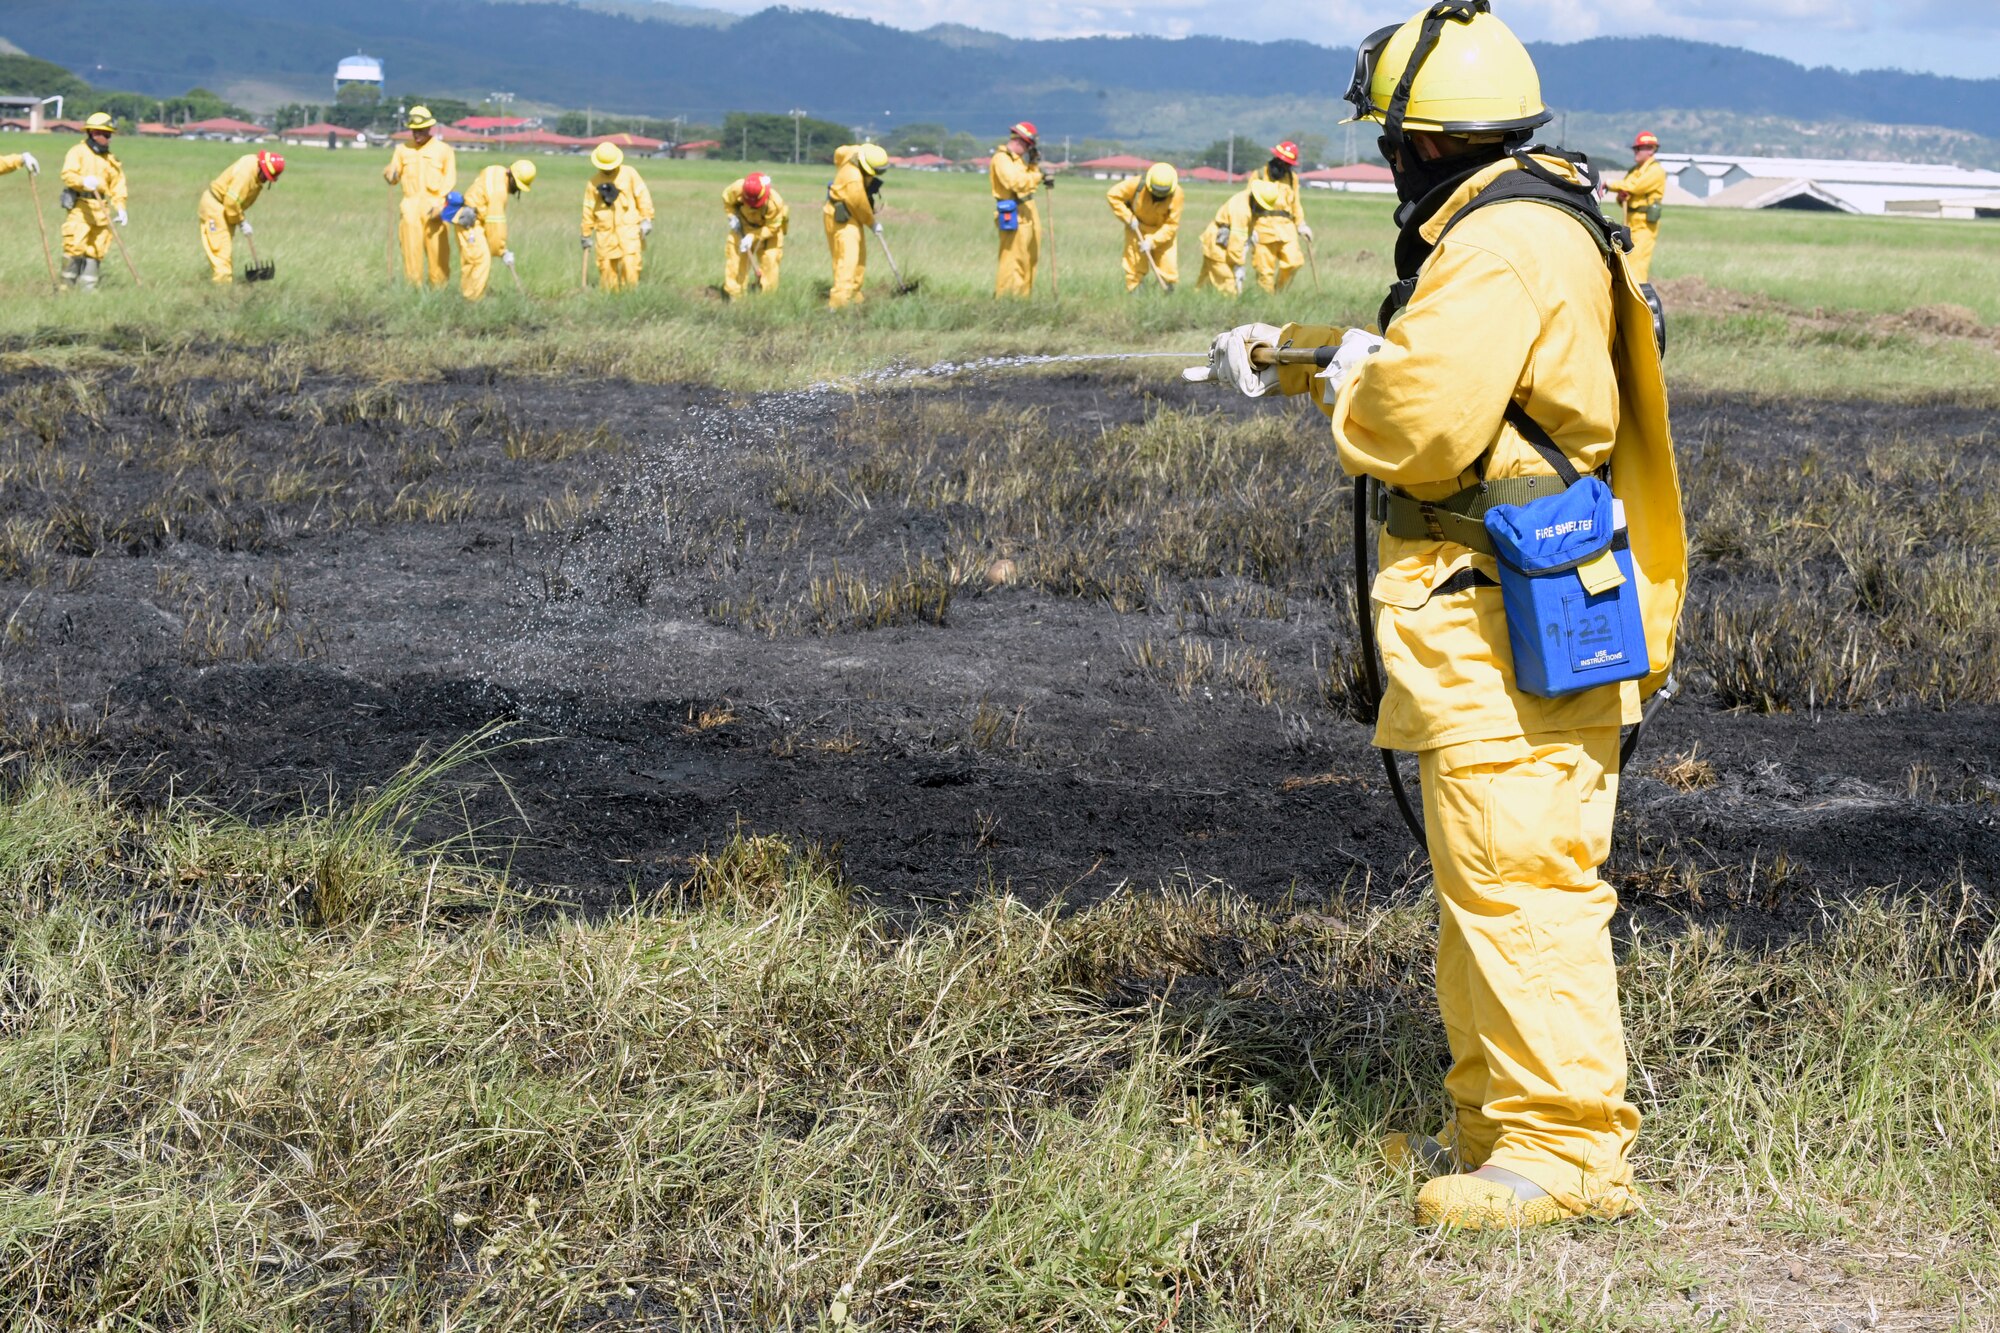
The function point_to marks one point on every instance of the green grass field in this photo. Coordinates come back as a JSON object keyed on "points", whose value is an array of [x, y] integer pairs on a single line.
{"points": [[327, 226]]}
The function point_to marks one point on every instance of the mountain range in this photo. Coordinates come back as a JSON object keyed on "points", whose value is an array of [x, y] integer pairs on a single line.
{"points": [[641, 57]]}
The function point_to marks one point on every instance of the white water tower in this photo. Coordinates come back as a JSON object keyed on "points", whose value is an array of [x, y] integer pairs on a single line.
{"points": [[361, 73]]}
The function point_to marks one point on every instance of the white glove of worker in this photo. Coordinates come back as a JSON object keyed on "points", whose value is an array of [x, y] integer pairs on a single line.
{"points": [[1145, 245], [645, 226], [743, 246], [464, 218], [877, 229], [1305, 232], [1229, 358], [507, 258], [736, 224], [1356, 346], [590, 242], [119, 217], [245, 227], [28, 161], [1239, 275], [92, 184]]}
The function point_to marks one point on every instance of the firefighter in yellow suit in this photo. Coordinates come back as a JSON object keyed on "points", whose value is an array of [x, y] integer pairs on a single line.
{"points": [[756, 219], [94, 196], [1225, 246], [225, 201], [1279, 228], [849, 212], [479, 220], [617, 218], [1643, 192], [1520, 306], [427, 169], [1149, 208], [1015, 174]]}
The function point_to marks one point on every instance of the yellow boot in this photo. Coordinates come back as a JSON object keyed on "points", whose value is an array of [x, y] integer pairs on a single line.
{"points": [[1426, 1154], [1490, 1198]]}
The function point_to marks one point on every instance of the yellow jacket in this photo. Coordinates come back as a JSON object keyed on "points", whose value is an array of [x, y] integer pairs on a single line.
{"points": [[1644, 185], [1516, 305], [762, 225], [80, 161], [1294, 200], [623, 215], [850, 187], [487, 198], [1012, 177], [237, 188], [426, 174], [1235, 215], [1160, 219]]}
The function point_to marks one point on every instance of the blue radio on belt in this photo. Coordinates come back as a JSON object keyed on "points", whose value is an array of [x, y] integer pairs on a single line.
{"points": [[1010, 214], [1572, 602]]}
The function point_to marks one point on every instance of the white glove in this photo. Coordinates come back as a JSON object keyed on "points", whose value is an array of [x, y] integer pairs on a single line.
{"points": [[507, 258], [1145, 245], [28, 161], [119, 217], [245, 227], [745, 244], [645, 226], [1238, 271], [465, 218], [92, 184], [1356, 346], [590, 242], [877, 229], [1229, 358], [1305, 232], [736, 224]]}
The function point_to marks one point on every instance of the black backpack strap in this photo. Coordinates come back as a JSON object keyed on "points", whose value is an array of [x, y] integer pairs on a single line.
{"points": [[1544, 444]]}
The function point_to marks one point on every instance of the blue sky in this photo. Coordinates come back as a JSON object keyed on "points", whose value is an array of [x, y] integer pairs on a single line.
{"points": [[1959, 37]]}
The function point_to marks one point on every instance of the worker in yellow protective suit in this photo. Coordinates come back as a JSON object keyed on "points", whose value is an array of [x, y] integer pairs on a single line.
{"points": [[1225, 245], [756, 219], [1149, 207], [479, 219], [225, 201], [427, 169], [617, 218], [1015, 174], [93, 201], [12, 162], [850, 207], [1279, 229], [1517, 346], [1644, 193]]}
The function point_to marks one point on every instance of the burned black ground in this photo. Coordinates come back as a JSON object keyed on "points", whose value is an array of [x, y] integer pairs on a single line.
{"points": [[1057, 633]]}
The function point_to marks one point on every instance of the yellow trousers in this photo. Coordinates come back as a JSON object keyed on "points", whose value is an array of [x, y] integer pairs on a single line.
{"points": [[1525, 980], [426, 248], [1167, 260], [218, 241], [475, 261], [849, 249], [86, 230], [1278, 258], [1020, 251], [1640, 262], [766, 259]]}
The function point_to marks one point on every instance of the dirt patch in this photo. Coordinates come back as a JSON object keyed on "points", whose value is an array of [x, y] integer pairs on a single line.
{"points": [[779, 613], [1694, 295]]}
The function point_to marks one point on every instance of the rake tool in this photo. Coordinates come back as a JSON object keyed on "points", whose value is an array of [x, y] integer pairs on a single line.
{"points": [[903, 288], [258, 270], [126, 255], [47, 258], [1055, 288], [1144, 250]]}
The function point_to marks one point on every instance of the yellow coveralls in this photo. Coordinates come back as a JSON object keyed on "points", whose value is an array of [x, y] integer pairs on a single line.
{"points": [[427, 175], [221, 211], [1518, 791], [1020, 249], [486, 238], [621, 248], [1160, 219], [1220, 256], [766, 228], [847, 241], [1279, 255], [1644, 188], [86, 229]]}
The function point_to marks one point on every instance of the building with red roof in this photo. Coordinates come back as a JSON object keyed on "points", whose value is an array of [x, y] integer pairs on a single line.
{"points": [[155, 129], [1119, 164], [1359, 177], [1213, 175], [317, 134], [922, 162], [697, 150], [543, 139], [633, 143], [222, 127], [494, 124]]}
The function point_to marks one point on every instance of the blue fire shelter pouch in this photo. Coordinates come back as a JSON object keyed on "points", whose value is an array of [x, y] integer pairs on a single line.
{"points": [[1572, 603], [454, 207], [1009, 211]]}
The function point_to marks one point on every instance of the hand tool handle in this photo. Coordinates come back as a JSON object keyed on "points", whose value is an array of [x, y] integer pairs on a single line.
{"points": [[1263, 357]]}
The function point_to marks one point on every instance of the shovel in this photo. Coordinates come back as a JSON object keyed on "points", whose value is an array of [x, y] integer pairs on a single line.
{"points": [[258, 270], [902, 288]]}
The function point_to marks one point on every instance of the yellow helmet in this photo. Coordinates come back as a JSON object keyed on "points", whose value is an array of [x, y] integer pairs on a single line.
{"points": [[1453, 69], [1267, 195], [607, 157], [100, 121], [872, 158], [1161, 178], [523, 172], [420, 118]]}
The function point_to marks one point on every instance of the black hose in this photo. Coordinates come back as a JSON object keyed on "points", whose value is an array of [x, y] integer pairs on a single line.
{"points": [[1365, 623]]}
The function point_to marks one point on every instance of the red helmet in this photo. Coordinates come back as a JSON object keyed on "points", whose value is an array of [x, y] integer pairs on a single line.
{"points": [[269, 167], [1646, 139], [1287, 153], [1025, 131], [756, 189]]}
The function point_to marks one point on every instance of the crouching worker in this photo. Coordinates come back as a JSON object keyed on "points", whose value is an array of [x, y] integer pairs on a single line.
{"points": [[1516, 364], [617, 218], [93, 199], [479, 219], [757, 221], [224, 204], [1149, 207], [1228, 240]]}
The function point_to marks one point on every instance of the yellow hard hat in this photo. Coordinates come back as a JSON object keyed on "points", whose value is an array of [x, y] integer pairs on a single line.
{"points": [[523, 172], [1267, 195], [1453, 69], [1161, 178], [420, 118], [100, 121], [872, 158], [607, 157]]}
